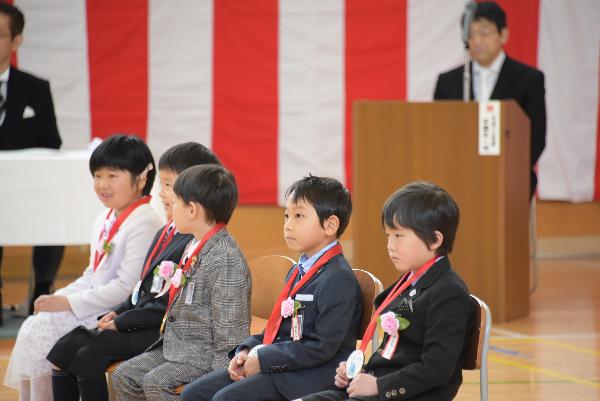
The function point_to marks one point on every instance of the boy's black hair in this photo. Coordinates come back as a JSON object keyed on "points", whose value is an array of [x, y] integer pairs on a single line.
{"points": [[327, 195], [490, 11], [17, 20], [424, 208], [125, 152], [212, 186], [184, 155]]}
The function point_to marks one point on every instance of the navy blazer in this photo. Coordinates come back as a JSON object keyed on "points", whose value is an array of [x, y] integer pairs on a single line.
{"points": [[427, 362], [149, 310], [515, 81], [330, 328], [40, 131]]}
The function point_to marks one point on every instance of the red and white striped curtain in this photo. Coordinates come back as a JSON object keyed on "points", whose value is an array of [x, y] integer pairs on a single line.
{"points": [[269, 84]]}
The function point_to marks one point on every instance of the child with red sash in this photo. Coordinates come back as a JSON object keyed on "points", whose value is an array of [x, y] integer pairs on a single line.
{"points": [[208, 309], [426, 315], [123, 171], [314, 324], [132, 326]]}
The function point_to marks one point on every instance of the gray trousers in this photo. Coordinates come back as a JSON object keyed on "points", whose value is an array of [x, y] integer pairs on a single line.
{"points": [[151, 377]]}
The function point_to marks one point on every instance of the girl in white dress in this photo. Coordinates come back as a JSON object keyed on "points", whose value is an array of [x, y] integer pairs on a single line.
{"points": [[123, 171]]}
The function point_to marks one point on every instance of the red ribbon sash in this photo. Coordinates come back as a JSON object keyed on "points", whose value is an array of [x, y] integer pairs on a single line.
{"points": [[100, 253], [172, 290], [400, 286], [161, 243], [275, 319]]}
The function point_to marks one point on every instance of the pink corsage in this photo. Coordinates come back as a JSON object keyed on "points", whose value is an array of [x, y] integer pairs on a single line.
{"points": [[176, 279], [289, 307], [166, 269], [391, 323]]}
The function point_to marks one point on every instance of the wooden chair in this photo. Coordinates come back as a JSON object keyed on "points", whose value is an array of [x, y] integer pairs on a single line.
{"points": [[479, 342], [268, 278], [370, 287]]}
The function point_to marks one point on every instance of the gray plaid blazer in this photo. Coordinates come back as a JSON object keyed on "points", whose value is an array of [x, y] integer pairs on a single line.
{"points": [[218, 318]]}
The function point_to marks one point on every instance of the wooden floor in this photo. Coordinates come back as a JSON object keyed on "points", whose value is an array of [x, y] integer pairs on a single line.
{"points": [[554, 354]]}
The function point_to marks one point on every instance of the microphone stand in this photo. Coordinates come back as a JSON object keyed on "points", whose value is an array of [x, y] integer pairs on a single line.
{"points": [[467, 75]]}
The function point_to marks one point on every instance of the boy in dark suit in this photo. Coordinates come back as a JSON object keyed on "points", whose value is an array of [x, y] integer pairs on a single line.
{"points": [[426, 315], [132, 326], [497, 76], [26, 121], [315, 323]]}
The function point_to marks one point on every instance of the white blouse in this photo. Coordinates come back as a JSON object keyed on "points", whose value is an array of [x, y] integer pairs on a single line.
{"points": [[94, 293]]}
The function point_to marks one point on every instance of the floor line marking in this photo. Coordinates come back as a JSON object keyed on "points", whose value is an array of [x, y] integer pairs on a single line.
{"points": [[547, 372], [558, 344]]}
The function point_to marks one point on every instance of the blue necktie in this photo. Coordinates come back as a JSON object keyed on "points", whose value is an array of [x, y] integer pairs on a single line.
{"points": [[300, 271]]}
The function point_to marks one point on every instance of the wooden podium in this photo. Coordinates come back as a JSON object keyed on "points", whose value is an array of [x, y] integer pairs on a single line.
{"points": [[397, 142]]}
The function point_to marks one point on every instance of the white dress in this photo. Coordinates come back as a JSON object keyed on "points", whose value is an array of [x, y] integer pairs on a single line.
{"points": [[90, 296]]}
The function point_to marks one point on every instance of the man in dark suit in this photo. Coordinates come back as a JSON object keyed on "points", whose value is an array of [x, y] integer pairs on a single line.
{"points": [[26, 121], [497, 76]]}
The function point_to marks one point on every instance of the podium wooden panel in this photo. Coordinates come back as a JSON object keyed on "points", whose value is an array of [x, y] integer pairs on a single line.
{"points": [[398, 142]]}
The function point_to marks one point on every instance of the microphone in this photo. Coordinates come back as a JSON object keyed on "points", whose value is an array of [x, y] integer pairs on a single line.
{"points": [[468, 15]]}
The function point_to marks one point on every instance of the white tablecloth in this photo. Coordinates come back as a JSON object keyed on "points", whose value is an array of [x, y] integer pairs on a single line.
{"points": [[46, 197]]}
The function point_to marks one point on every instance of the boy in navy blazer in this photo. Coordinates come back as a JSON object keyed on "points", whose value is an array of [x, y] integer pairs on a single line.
{"points": [[314, 325]]}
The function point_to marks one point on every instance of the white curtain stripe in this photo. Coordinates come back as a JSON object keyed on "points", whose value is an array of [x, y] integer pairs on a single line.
{"points": [[311, 90], [180, 56], [55, 48]]}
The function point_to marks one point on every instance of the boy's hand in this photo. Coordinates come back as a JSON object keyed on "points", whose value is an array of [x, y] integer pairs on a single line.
{"points": [[363, 385], [252, 366], [236, 366], [51, 303], [341, 380], [109, 317]]}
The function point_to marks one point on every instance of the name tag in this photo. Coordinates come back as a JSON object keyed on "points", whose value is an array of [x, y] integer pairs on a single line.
{"points": [[189, 294], [304, 297]]}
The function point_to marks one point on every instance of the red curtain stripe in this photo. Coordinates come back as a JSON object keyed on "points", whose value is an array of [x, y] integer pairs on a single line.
{"points": [[522, 19], [376, 53], [118, 66], [245, 97]]}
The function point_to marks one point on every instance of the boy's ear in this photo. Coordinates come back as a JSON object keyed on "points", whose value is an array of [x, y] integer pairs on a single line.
{"points": [[331, 225], [439, 239], [192, 209]]}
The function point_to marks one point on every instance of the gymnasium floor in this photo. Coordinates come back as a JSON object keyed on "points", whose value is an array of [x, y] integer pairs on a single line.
{"points": [[553, 354]]}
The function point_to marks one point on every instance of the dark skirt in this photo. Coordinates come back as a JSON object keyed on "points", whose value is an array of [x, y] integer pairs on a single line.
{"points": [[87, 353]]}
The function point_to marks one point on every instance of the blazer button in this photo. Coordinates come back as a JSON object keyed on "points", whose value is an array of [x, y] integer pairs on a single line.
{"points": [[171, 318], [394, 392], [388, 394], [402, 390]]}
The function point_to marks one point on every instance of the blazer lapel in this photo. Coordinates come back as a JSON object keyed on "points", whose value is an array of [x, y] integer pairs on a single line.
{"points": [[442, 266], [503, 83], [13, 100]]}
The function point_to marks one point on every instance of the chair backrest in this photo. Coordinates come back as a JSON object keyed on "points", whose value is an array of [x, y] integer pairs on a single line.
{"points": [[479, 338], [370, 287], [268, 278]]}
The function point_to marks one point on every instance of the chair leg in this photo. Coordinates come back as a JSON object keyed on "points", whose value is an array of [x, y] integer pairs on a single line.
{"points": [[483, 382], [112, 396]]}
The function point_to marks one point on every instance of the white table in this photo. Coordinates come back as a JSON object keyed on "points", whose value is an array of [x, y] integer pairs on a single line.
{"points": [[46, 197]]}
